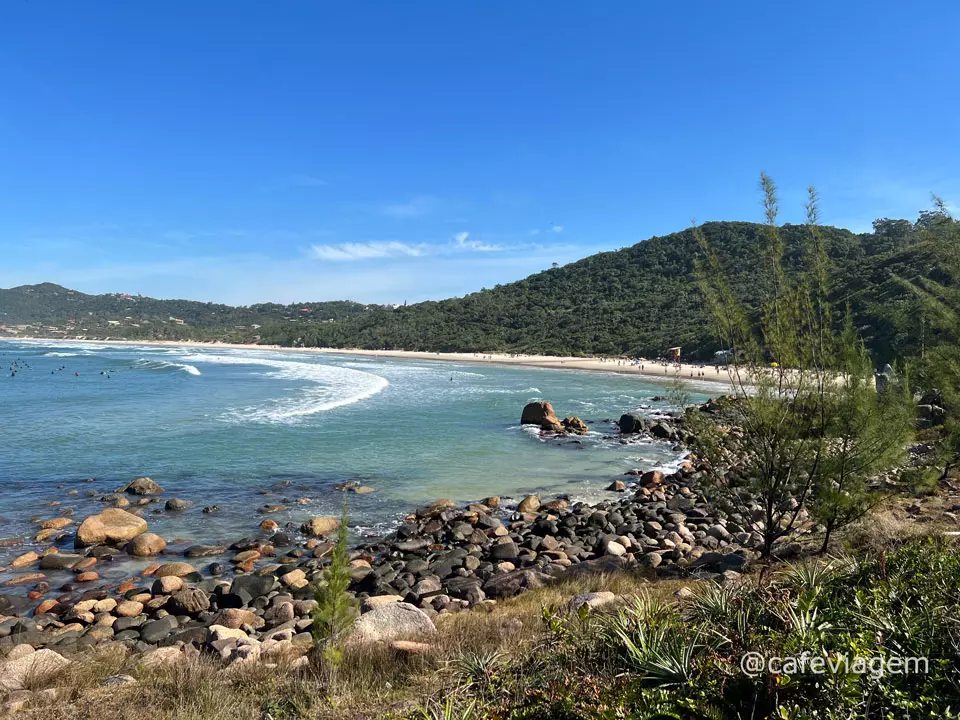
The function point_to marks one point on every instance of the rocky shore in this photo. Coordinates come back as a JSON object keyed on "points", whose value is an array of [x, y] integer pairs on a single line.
{"points": [[253, 599]]}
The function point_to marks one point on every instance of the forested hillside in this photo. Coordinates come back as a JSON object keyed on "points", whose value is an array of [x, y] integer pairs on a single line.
{"points": [[51, 309], [642, 300], [637, 301]]}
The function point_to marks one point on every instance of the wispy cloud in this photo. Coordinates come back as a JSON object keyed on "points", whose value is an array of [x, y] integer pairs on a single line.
{"points": [[557, 228], [415, 207], [462, 241], [365, 251]]}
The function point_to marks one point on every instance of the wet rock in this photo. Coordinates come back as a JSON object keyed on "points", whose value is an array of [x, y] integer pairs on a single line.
{"points": [[530, 504], [110, 526], [141, 486], [320, 526], [146, 544], [175, 569], [176, 504], [541, 414], [631, 423], [575, 425]]}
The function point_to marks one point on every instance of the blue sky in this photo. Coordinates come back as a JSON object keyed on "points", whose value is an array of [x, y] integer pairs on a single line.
{"points": [[246, 151]]}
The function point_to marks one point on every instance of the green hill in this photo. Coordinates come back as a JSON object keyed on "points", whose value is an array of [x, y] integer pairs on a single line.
{"points": [[636, 301]]}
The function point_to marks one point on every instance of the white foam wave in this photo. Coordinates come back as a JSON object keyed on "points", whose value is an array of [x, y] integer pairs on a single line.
{"points": [[146, 364], [63, 354], [330, 387]]}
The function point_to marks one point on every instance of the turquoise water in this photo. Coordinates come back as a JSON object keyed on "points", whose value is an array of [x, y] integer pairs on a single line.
{"points": [[218, 426]]}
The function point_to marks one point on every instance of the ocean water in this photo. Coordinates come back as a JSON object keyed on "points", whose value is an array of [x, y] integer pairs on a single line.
{"points": [[243, 428]]}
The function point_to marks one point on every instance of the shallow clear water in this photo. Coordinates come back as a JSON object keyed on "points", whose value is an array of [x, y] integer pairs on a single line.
{"points": [[218, 426]]}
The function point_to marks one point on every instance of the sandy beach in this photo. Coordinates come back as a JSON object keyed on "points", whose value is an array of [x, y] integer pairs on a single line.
{"points": [[651, 369]]}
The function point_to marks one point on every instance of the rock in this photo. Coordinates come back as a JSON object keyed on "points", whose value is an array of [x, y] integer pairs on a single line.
{"points": [[174, 569], [505, 551], [141, 486], [235, 618], [156, 630], [191, 601], [195, 551], [320, 526], [610, 547], [146, 544], [268, 525], [115, 680], [575, 425], [409, 647], [295, 579], [35, 668], [128, 609], [162, 657], [514, 582], [28, 558], [631, 423], [59, 561], [176, 504], [167, 585], [591, 600], [541, 414], [252, 586], [20, 651], [391, 622], [617, 486], [110, 526], [530, 504], [378, 601], [652, 477], [55, 523]]}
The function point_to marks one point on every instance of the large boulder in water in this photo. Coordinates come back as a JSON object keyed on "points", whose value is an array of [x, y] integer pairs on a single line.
{"points": [[631, 423], [141, 486], [112, 526], [541, 413]]}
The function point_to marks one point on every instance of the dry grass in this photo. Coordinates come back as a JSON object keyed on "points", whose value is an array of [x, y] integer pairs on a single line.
{"points": [[372, 682]]}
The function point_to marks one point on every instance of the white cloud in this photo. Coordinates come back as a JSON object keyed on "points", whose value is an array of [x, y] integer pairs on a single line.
{"points": [[535, 231], [557, 228], [420, 205], [365, 251], [462, 242]]}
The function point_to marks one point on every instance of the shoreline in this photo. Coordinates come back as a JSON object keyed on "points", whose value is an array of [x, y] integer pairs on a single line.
{"points": [[652, 370]]}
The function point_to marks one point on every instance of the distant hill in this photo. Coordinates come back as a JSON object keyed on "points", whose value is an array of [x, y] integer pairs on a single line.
{"points": [[52, 310], [637, 301]]}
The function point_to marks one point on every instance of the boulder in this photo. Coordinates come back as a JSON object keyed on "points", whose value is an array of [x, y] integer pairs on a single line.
{"points": [[575, 425], [511, 583], [141, 486], [175, 504], [146, 544], [174, 569], [189, 602], [389, 622], [110, 526], [235, 618], [631, 423], [35, 668], [320, 526], [541, 413], [591, 600], [530, 504]]}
